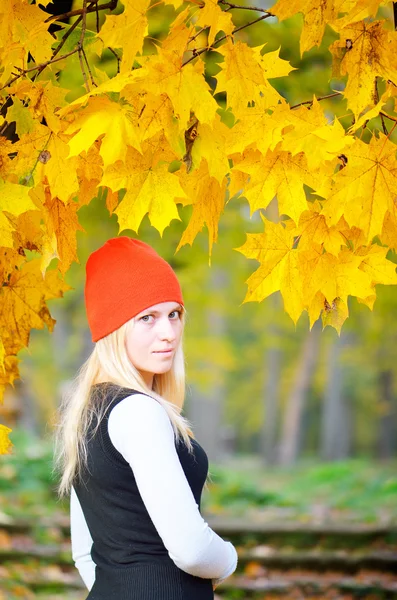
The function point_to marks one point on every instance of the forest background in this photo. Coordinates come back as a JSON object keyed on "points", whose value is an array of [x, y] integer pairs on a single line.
{"points": [[257, 382]]}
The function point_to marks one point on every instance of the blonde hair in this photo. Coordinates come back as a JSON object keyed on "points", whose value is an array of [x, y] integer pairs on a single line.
{"points": [[109, 361]]}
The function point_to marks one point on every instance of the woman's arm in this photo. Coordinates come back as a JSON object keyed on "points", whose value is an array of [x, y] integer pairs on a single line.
{"points": [[81, 542], [141, 431]]}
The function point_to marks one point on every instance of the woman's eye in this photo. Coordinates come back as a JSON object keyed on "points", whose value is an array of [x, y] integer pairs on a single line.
{"points": [[145, 318], [175, 313]]}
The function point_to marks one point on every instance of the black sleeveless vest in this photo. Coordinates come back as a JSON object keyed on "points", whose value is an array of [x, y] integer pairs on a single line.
{"points": [[131, 560]]}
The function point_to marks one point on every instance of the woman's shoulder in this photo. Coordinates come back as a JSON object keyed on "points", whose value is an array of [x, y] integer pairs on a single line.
{"points": [[138, 406]]}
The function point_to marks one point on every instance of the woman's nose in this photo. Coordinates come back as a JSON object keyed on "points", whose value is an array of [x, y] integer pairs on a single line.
{"points": [[166, 330]]}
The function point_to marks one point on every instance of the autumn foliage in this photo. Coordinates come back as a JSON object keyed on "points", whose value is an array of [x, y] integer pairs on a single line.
{"points": [[157, 130]]}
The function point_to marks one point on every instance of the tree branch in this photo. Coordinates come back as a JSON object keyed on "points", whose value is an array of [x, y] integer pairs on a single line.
{"points": [[388, 117], [80, 11], [201, 50], [230, 5], [320, 98]]}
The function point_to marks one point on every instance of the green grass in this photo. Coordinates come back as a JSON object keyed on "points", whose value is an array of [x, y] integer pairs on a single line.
{"points": [[352, 490]]}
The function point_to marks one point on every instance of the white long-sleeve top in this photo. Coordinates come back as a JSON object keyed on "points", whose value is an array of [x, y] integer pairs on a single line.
{"points": [[140, 429]]}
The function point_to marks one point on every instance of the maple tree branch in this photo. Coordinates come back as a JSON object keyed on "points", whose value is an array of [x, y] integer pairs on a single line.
{"points": [[201, 50], [380, 114], [48, 62], [230, 5], [80, 48], [388, 117], [93, 6], [117, 57], [93, 82], [320, 98], [80, 11]]}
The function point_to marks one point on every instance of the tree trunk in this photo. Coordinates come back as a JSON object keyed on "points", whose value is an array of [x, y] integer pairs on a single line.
{"points": [[290, 439], [336, 417], [387, 427], [272, 367], [205, 410]]}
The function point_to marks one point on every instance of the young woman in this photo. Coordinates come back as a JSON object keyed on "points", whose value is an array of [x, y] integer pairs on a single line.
{"points": [[126, 454]]}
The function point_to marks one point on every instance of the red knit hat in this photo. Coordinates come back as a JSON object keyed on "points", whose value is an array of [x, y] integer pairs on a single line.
{"points": [[123, 277]]}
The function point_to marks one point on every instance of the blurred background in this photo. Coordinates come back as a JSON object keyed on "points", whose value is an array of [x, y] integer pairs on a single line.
{"points": [[300, 426]]}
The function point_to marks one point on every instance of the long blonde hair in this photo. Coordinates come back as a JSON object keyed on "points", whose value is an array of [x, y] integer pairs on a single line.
{"points": [[109, 362]]}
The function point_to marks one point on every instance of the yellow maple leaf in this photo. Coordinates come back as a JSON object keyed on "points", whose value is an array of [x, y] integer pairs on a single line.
{"points": [[54, 165], [21, 115], [389, 230], [279, 268], [245, 73], [22, 31], [61, 221], [335, 314], [211, 14], [316, 15], [314, 229], [276, 173], [23, 300], [308, 130], [2, 356], [210, 143], [5, 442], [376, 265], [207, 195], [364, 51], [126, 31], [365, 188], [335, 277], [357, 10], [44, 100], [103, 117], [154, 114], [151, 188], [14, 199], [255, 127], [185, 85]]}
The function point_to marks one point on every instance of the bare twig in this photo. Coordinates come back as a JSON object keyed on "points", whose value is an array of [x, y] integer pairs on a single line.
{"points": [[80, 11], [118, 58], [230, 5], [201, 50], [80, 43], [88, 68], [388, 117], [376, 98], [320, 98], [61, 44], [48, 62], [395, 15]]}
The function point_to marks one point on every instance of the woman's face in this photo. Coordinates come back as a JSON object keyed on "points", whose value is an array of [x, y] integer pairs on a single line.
{"points": [[152, 341]]}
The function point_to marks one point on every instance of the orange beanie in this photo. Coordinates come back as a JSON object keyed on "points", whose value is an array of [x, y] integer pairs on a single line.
{"points": [[123, 277]]}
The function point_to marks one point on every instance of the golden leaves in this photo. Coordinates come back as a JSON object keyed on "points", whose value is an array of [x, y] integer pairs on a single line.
{"points": [[126, 31], [364, 51], [366, 188], [5, 443], [150, 187], [104, 117], [334, 187], [245, 75]]}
